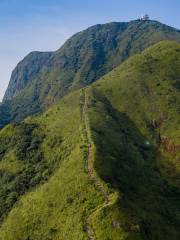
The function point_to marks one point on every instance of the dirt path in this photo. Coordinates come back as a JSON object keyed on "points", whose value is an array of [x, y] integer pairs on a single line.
{"points": [[91, 173]]}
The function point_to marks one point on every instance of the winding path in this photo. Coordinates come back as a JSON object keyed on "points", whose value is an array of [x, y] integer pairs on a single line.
{"points": [[91, 173]]}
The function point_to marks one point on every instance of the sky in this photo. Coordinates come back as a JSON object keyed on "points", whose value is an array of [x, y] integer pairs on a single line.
{"points": [[44, 25]]}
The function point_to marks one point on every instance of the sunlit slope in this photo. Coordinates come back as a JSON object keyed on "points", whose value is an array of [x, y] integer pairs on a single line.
{"points": [[132, 122], [46, 190], [63, 196], [43, 159]]}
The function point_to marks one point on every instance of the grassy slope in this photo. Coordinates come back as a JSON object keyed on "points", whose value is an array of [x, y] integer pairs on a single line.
{"points": [[148, 203], [146, 88], [58, 207], [145, 178], [126, 104]]}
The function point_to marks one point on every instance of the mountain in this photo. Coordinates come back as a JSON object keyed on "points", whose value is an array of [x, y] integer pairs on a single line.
{"points": [[25, 72], [103, 162], [43, 78]]}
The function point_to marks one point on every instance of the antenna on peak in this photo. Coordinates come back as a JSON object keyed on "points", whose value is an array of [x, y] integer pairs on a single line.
{"points": [[145, 17]]}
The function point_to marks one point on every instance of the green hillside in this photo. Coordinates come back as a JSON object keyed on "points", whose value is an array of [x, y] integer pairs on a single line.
{"points": [[43, 78], [60, 198], [146, 89], [142, 96], [101, 164], [47, 193]]}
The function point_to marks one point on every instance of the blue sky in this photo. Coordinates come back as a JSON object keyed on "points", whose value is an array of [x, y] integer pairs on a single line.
{"points": [[27, 25]]}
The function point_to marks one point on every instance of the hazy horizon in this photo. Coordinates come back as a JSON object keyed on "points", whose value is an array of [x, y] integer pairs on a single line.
{"points": [[45, 25]]}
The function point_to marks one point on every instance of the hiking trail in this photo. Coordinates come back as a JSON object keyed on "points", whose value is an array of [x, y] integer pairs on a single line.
{"points": [[108, 200]]}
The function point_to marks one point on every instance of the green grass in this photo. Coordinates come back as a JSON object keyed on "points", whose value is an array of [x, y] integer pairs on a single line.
{"points": [[124, 105], [148, 204], [145, 88], [136, 103], [58, 207]]}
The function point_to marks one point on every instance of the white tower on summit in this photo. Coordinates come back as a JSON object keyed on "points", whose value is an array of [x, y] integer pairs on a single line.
{"points": [[145, 17]]}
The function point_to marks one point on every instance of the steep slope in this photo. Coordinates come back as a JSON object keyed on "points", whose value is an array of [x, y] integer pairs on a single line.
{"points": [[41, 78], [46, 189], [147, 207], [25, 72], [146, 89], [135, 119], [43, 160], [103, 163]]}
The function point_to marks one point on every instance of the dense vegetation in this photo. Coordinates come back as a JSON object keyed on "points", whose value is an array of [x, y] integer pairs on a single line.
{"points": [[42, 78], [22, 164], [145, 88], [135, 122], [105, 157], [57, 203]]}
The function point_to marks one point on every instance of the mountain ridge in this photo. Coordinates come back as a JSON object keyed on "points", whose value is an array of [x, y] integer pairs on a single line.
{"points": [[83, 59], [123, 119], [94, 28]]}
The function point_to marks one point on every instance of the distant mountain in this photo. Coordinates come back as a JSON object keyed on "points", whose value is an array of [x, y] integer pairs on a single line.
{"points": [[43, 78], [103, 163]]}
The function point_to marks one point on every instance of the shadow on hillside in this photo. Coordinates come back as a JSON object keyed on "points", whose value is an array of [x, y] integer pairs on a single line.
{"points": [[17, 110], [127, 161], [4, 114]]}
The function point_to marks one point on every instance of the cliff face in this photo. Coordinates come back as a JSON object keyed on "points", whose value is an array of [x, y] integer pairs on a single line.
{"points": [[25, 72]]}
